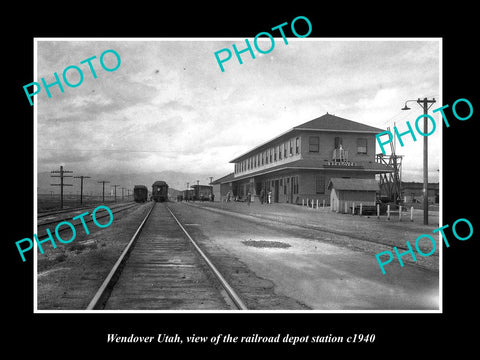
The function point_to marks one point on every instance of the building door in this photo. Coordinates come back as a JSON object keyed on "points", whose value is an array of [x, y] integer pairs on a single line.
{"points": [[275, 191], [292, 184], [258, 188]]}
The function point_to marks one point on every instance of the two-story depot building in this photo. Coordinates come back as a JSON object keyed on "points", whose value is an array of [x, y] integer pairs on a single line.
{"points": [[299, 163]]}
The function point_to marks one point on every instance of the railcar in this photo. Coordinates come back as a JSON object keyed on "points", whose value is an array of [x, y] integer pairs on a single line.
{"points": [[140, 193], [198, 193], [160, 191], [202, 192], [188, 195]]}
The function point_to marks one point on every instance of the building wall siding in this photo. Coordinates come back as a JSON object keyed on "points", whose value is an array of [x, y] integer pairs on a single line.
{"points": [[307, 183], [338, 198], [349, 143]]}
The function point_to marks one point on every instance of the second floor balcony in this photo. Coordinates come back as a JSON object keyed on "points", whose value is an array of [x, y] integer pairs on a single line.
{"points": [[340, 155]]}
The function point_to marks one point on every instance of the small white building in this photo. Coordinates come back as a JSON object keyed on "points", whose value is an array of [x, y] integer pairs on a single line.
{"points": [[351, 191]]}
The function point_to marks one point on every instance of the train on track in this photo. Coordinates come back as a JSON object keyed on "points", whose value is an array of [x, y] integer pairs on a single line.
{"points": [[197, 193], [140, 193], [160, 191]]}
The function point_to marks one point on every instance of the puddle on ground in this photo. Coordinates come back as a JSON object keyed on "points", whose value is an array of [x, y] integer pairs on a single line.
{"points": [[266, 244]]}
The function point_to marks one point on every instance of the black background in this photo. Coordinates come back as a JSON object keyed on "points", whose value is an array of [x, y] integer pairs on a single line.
{"points": [[61, 335]]}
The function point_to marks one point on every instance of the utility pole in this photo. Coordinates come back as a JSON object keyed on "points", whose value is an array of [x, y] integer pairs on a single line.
{"points": [[81, 177], [61, 176], [103, 191], [425, 104], [115, 191]]}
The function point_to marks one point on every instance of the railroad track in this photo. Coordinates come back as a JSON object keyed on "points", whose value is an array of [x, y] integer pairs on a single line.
{"points": [[77, 209], [163, 268], [75, 212]]}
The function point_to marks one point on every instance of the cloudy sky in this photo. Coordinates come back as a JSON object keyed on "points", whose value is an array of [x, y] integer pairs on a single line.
{"points": [[169, 107]]}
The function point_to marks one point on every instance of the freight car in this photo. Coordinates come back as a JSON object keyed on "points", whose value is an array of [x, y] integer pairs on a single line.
{"points": [[140, 193], [202, 192], [188, 195], [160, 191], [198, 193]]}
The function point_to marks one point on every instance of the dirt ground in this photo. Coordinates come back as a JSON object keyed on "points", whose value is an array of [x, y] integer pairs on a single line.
{"points": [[319, 267], [69, 276], [362, 233]]}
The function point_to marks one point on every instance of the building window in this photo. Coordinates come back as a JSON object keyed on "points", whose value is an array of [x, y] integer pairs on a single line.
{"points": [[285, 146], [275, 154], [361, 146], [280, 152], [297, 145], [314, 144], [271, 154], [320, 184], [291, 147]]}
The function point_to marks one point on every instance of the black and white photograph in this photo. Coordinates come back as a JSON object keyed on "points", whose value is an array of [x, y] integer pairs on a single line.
{"points": [[265, 188]]}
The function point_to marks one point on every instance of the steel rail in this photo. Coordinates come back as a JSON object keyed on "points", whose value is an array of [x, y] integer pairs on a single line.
{"points": [[83, 207], [231, 293], [101, 295], [114, 211]]}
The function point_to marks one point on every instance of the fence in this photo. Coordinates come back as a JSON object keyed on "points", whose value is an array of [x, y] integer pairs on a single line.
{"points": [[350, 207]]}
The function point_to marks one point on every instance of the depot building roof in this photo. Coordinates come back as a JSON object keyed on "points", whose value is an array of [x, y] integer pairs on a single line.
{"points": [[325, 123]]}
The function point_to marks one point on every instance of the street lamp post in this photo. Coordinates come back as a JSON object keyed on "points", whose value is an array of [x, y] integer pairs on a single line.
{"points": [[425, 104]]}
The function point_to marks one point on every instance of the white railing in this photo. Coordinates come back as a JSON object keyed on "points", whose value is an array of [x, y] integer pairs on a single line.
{"points": [[340, 155]]}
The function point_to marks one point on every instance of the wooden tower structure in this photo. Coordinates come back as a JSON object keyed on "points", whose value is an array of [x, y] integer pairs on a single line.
{"points": [[391, 183]]}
